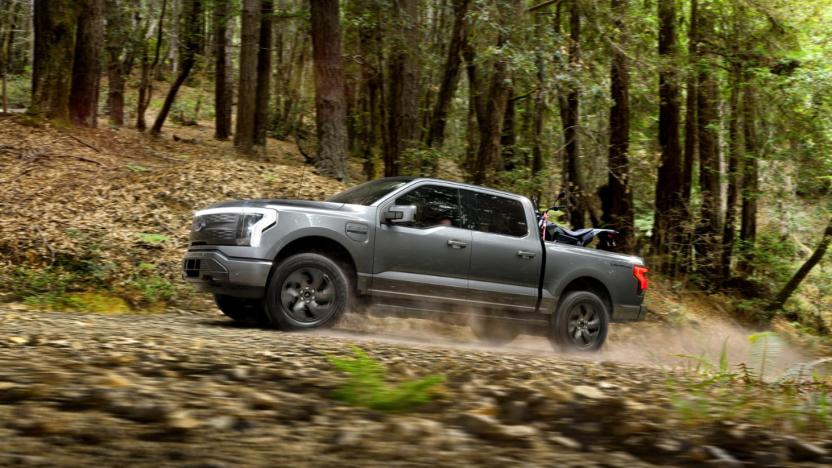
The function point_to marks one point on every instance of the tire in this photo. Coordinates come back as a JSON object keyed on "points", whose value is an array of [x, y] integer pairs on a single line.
{"points": [[308, 291], [580, 324], [493, 331], [243, 310]]}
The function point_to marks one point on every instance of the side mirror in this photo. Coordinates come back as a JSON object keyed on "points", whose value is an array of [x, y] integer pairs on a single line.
{"points": [[400, 214]]}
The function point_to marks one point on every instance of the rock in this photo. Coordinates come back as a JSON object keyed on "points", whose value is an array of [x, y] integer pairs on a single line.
{"points": [[668, 446], [411, 428], [566, 442], [587, 392], [719, 457], [804, 451], [489, 428], [263, 401], [17, 340], [181, 421], [515, 412], [221, 423]]}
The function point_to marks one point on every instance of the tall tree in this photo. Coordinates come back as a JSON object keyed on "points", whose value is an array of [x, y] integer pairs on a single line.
{"points": [[491, 125], [7, 29], [86, 67], [733, 182], [750, 184], [264, 73], [330, 100], [620, 201], [570, 112], [223, 91], [191, 37], [403, 118], [669, 211], [707, 109], [149, 69], [247, 85], [55, 32], [790, 287], [682, 252], [450, 76], [120, 46]]}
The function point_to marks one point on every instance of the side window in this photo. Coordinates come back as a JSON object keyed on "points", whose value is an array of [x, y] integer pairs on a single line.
{"points": [[494, 214], [435, 206]]}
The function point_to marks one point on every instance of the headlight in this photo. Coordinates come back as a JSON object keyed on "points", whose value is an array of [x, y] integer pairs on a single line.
{"points": [[231, 226]]}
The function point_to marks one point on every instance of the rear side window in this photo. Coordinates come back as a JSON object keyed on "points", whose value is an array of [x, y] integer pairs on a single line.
{"points": [[494, 214], [435, 206]]}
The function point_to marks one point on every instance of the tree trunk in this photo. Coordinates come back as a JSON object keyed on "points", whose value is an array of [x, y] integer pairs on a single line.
{"points": [[707, 238], [149, 71], [620, 201], [750, 177], [571, 120], [6, 50], [682, 254], [538, 114], [191, 37], [55, 32], [264, 73], [223, 93], [247, 90], [801, 273], [117, 43], [459, 36], [488, 154], [86, 67], [330, 104], [735, 147], [508, 136], [403, 118], [669, 202]]}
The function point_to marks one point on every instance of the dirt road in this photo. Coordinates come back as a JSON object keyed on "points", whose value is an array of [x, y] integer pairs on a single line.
{"points": [[196, 390]]}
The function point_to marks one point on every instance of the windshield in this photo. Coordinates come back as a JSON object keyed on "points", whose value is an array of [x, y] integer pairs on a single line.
{"points": [[369, 192]]}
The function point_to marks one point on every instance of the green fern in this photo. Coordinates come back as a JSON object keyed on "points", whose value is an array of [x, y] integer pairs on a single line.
{"points": [[765, 347], [366, 385]]}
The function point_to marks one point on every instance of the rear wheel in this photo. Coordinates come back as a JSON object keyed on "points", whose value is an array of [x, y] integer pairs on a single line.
{"points": [[580, 324], [307, 291], [493, 331], [243, 310]]}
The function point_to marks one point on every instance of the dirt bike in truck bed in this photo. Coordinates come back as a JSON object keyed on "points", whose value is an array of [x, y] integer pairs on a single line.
{"points": [[417, 246]]}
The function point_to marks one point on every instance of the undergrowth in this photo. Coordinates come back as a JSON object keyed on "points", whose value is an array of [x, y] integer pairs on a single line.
{"points": [[798, 399], [366, 385]]}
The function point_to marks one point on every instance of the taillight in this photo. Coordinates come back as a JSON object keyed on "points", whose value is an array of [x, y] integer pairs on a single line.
{"points": [[640, 273]]}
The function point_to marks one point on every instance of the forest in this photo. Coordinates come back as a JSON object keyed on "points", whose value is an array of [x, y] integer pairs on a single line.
{"points": [[699, 129]]}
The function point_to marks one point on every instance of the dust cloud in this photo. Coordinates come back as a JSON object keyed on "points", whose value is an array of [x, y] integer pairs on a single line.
{"points": [[650, 343]]}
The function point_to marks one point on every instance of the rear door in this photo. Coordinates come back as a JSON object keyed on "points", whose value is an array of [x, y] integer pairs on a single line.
{"points": [[505, 255], [428, 259]]}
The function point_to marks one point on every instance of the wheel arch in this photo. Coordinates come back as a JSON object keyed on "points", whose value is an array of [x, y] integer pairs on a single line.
{"points": [[591, 284], [321, 245]]}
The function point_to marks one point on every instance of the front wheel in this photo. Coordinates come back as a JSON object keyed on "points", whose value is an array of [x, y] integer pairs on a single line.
{"points": [[307, 291], [580, 324]]}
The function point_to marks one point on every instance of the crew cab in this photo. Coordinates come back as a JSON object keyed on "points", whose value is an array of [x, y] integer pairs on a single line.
{"points": [[417, 246]]}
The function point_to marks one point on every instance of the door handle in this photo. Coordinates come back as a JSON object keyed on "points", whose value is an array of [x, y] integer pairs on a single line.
{"points": [[457, 244], [526, 254]]}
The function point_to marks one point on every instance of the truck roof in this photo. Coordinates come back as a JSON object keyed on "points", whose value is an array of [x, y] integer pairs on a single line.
{"points": [[458, 184]]}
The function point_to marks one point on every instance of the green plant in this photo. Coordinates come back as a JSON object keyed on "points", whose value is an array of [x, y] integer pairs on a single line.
{"points": [[152, 238], [151, 288], [765, 347], [366, 385]]}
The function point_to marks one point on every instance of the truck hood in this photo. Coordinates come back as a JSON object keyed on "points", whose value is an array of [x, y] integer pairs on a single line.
{"points": [[318, 205]]}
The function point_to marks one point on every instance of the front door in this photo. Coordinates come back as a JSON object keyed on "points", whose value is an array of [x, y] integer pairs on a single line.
{"points": [[427, 259], [505, 255]]}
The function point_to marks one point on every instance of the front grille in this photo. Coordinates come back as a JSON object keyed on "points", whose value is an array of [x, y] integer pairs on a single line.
{"points": [[215, 229], [191, 267]]}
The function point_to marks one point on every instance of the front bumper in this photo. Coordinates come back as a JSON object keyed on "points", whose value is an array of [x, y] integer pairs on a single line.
{"points": [[211, 271]]}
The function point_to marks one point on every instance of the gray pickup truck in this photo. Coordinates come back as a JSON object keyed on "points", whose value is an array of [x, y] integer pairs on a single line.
{"points": [[415, 246]]}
